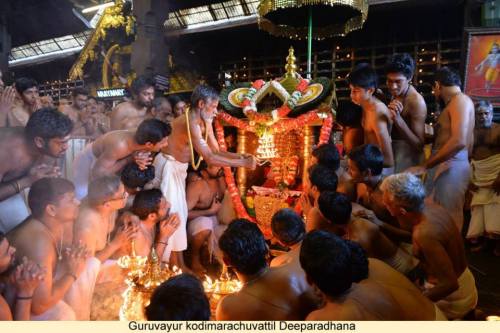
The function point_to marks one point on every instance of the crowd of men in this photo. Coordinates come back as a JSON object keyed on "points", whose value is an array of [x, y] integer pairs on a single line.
{"points": [[377, 234]]}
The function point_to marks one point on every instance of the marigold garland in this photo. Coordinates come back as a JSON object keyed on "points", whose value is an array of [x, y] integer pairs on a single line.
{"points": [[241, 212]]}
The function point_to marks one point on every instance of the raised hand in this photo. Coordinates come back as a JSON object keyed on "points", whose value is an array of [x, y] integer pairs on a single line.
{"points": [[126, 233], [7, 99], [74, 258], [368, 215], [27, 276], [43, 170], [143, 159], [168, 226]]}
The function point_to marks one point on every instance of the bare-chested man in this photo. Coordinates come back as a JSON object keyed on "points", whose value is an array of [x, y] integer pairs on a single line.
{"points": [[436, 242], [485, 183], [19, 283], [128, 115], [162, 110], [82, 125], [321, 178], [101, 120], [178, 105], [41, 238], [171, 165], [93, 227], [365, 164], [408, 112], [330, 267], [7, 97], [379, 272], [111, 152], [156, 224], [204, 199], [21, 151], [336, 209], [26, 104], [376, 121], [267, 293], [449, 169]]}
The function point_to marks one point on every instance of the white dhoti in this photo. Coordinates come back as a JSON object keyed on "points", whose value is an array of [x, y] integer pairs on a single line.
{"points": [[82, 169], [79, 296], [172, 175], [447, 183], [485, 204], [461, 301], [13, 211], [210, 223], [405, 155], [60, 311], [402, 261]]}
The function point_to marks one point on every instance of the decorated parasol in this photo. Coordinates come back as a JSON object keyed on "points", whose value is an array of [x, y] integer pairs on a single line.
{"points": [[294, 19]]}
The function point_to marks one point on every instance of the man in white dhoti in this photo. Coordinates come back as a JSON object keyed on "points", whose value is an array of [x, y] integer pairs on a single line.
{"points": [[109, 154], [21, 151], [41, 239], [485, 182], [93, 228], [449, 169], [408, 112], [171, 165], [436, 242]]}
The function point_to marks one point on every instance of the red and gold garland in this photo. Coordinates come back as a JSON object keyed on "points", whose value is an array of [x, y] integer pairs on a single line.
{"points": [[280, 127]]}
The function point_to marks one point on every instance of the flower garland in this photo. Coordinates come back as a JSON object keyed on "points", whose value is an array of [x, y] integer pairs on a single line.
{"points": [[284, 170], [250, 98], [241, 212], [326, 129]]}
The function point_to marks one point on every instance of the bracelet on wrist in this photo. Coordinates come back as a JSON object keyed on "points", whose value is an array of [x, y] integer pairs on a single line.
{"points": [[164, 243], [24, 298]]}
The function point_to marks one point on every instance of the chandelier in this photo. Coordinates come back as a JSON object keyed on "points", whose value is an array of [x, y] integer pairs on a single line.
{"points": [[290, 18]]}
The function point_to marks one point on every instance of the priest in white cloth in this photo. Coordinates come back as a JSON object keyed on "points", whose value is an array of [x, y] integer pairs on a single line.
{"points": [[171, 165], [485, 182]]}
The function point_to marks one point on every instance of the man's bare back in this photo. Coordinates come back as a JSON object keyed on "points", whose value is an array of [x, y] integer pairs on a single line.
{"points": [[16, 159], [179, 143], [127, 115], [276, 295], [439, 229], [377, 125]]}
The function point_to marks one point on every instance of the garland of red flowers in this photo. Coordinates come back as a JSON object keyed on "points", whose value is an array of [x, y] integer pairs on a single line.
{"points": [[280, 127], [241, 212], [250, 109], [326, 129]]}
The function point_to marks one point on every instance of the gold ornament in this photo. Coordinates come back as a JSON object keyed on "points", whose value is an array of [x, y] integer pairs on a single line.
{"points": [[289, 18]]}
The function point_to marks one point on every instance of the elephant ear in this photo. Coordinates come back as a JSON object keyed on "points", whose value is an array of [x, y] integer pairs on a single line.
{"points": [[231, 98], [318, 91]]}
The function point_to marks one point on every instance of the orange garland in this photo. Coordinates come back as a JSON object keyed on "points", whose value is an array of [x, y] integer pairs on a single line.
{"points": [[241, 212]]}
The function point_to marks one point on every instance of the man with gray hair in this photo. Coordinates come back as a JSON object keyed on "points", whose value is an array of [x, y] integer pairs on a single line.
{"points": [[436, 242], [485, 181]]}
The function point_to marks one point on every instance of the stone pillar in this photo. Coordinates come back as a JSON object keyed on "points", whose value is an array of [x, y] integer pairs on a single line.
{"points": [[149, 50]]}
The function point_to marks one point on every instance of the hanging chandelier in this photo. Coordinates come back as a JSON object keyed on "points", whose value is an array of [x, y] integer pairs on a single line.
{"points": [[289, 18]]}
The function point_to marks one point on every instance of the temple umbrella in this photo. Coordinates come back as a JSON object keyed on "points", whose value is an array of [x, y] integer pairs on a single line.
{"points": [[294, 19]]}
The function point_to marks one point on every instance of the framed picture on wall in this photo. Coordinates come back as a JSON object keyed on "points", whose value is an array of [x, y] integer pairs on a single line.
{"points": [[482, 64]]}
